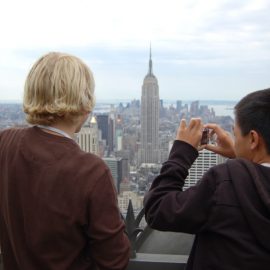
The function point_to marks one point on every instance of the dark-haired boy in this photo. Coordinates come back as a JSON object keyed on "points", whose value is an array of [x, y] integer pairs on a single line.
{"points": [[229, 208]]}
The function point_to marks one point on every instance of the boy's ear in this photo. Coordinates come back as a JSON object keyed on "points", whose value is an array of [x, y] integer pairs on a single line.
{"points": [[254, 139]]}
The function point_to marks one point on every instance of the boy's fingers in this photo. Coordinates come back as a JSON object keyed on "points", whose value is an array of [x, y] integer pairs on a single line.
{"points": [[215, 129], [212, 132], [195, 122], [183, 124], [211, 147], [201, 147]]}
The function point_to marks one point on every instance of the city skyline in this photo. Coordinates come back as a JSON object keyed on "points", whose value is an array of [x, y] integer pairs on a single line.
{"points": [[203, 50]]}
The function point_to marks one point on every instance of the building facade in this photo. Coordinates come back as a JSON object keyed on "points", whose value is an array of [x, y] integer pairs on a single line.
{"points": [[149, 142], [204, 162], [88, 137], [123, 201], [105, 123], [119, 168]]}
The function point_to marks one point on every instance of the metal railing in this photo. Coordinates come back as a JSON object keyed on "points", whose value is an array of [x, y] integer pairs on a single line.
{"points": [[147, 261]]}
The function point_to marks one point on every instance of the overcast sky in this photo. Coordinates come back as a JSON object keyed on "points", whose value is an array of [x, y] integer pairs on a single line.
{"points": [[201, 49]]}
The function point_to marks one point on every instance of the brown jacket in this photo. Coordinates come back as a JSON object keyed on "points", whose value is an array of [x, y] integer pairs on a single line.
{"points": [[58, 206]]}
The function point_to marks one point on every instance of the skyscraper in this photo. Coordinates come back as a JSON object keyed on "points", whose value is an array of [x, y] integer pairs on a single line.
{"points": [[204, 162], [106, 125], [149, 147], [119, 168], [103, 125], [88, 137]]}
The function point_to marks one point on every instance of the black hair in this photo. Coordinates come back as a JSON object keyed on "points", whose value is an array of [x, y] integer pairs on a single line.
{"points": [[253, 113]]}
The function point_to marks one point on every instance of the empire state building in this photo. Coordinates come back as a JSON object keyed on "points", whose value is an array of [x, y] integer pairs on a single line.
{"points": [[149, 148]]}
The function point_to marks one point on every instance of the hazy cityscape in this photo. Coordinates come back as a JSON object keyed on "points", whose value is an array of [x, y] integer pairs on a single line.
{"points": [[154, 63], [134, 137]]}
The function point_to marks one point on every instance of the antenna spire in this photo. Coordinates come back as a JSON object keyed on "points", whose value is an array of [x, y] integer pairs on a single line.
{"points": [[150, 62]]}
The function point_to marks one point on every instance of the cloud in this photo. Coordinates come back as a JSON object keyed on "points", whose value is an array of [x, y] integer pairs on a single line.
{"points": [[199, 46]]}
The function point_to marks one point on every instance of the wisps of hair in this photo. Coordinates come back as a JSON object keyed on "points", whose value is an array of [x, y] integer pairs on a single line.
{"points": [[58, 86]]}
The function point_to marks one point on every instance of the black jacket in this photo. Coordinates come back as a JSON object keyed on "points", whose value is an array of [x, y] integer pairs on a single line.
{"points": [[228, 210]]}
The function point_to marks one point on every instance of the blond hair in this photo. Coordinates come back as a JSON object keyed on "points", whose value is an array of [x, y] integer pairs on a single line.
{"points": [[58, 86]]}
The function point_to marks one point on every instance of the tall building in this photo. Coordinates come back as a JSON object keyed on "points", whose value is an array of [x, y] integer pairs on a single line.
{"points": [[194, 109], [178, 106], [111, 134], [205, 161], [88, 137], [103, 125], [119, 168], [106, 125], [118, 133], [149, 144]]}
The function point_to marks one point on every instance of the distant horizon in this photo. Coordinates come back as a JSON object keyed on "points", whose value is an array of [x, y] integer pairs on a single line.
{"points": [[221, 107], [114, 101]]}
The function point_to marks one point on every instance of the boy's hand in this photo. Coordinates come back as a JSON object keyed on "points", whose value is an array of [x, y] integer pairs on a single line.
{"points": [[224, 143], [191, 133]]}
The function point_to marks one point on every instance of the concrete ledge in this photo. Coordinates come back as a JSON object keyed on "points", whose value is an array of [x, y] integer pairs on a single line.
{"points": [[146, 261]]}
